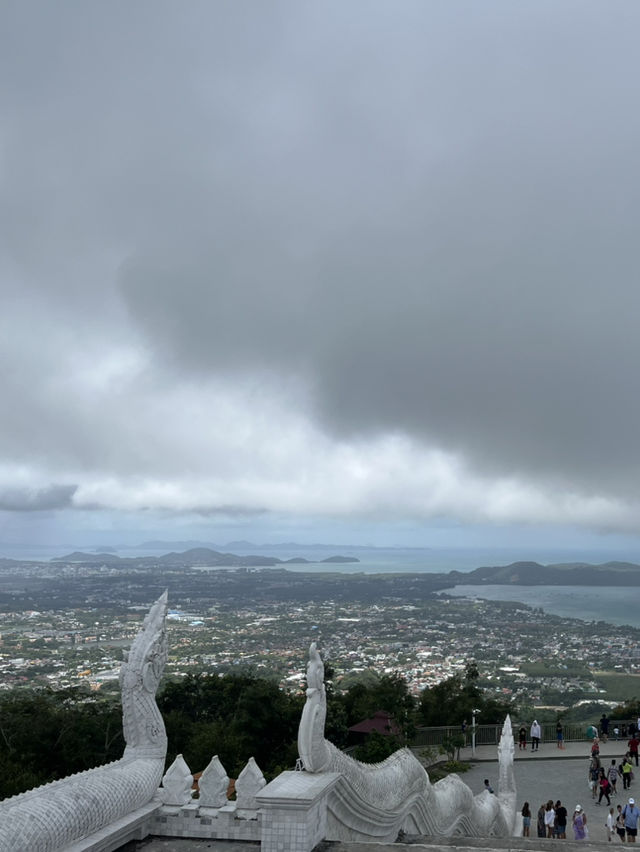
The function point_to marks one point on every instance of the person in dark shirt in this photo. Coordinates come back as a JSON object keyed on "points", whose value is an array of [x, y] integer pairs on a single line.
{"points": [[604, 727], [633, 748], [522, 738], [542, 830], [561, 820], [605, 786]]}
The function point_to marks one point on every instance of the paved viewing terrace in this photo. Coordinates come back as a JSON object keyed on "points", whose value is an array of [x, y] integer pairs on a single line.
{"points": [[553, 773]]}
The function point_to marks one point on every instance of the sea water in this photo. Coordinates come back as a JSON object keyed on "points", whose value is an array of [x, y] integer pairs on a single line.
{"points": [[613, 604]]}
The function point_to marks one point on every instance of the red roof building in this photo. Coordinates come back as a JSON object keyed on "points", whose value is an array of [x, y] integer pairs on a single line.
{"points": [[381, 722]]}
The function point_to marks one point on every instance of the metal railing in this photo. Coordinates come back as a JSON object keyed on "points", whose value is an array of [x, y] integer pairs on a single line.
{"points": [[490, 734]]}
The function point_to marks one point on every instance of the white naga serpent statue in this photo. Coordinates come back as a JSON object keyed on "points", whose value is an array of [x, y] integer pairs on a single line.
{"points": [[55, 815], [376, 802]]}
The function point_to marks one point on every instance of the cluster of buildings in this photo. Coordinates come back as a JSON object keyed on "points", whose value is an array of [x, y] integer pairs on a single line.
{"points": [[526, 655]]}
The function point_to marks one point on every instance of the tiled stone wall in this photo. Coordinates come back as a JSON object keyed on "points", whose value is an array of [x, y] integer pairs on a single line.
{"points": [[226, 823], [294, 811]]}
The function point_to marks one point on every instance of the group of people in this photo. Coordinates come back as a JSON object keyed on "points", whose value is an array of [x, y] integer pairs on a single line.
{"points": [[603, 781], [619, 731], [552, 818], [594, 733], [535, 734], [552, 821]]}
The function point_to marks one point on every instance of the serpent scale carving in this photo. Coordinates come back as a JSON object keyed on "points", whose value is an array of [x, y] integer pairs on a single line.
{"points": [[375, 802], [51, 817]]}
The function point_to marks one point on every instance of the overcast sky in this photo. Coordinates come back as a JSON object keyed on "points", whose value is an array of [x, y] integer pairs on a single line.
{"points": [[360, 270]]}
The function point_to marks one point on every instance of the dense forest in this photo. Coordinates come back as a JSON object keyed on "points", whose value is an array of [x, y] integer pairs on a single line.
{"points": [[45, 734]]}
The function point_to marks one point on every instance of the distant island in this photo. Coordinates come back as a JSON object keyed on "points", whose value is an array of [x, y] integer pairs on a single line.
{"points": [[340, 560], [522, 573], [195, 557]]}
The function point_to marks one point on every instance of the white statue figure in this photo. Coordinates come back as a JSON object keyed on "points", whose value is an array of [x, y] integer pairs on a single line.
{"points": [[55, 815], [375, 802], [312, 745]]}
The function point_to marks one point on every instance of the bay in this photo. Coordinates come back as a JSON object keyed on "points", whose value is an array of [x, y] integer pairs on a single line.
{"points": [[616, 605]]}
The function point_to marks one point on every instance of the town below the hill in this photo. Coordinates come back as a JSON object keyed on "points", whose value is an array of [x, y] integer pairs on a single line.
{"points": [[65, 624]]}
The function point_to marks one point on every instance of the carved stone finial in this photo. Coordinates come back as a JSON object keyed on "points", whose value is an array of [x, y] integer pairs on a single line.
{"points": [[213, 784], [248, 785], [177, 783]]}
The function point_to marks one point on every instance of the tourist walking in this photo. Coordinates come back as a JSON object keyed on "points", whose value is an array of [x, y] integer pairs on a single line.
{"points": [[604, 785], [604, 727], [526, 820], [579, 823], [621, 830], [559, 734], [561, 820], [593, 777], [631, 813], [633, 744], [612, 775], [610, 824], [627, 769], [536, 733], [542, 832]]}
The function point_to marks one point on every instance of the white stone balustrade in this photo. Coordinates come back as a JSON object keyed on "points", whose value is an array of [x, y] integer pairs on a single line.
{"points": [[336, 798], [212, 814]]}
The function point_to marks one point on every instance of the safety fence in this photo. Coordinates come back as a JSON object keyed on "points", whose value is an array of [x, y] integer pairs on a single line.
{"points": [[490, 734]]}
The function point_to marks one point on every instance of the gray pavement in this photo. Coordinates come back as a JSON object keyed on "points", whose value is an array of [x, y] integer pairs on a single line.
{"points": [[552, 773]]}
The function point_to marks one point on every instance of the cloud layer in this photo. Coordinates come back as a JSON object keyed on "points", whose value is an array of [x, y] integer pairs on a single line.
{"points": [[337, 260]]}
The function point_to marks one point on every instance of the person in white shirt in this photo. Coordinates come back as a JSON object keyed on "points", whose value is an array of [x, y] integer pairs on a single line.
{"points": [[549, 818], [611, 824], [536, 733]]}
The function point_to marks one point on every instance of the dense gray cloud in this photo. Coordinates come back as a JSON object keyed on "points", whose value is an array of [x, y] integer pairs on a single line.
{"points": [[407, 231], [36, 500]]}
